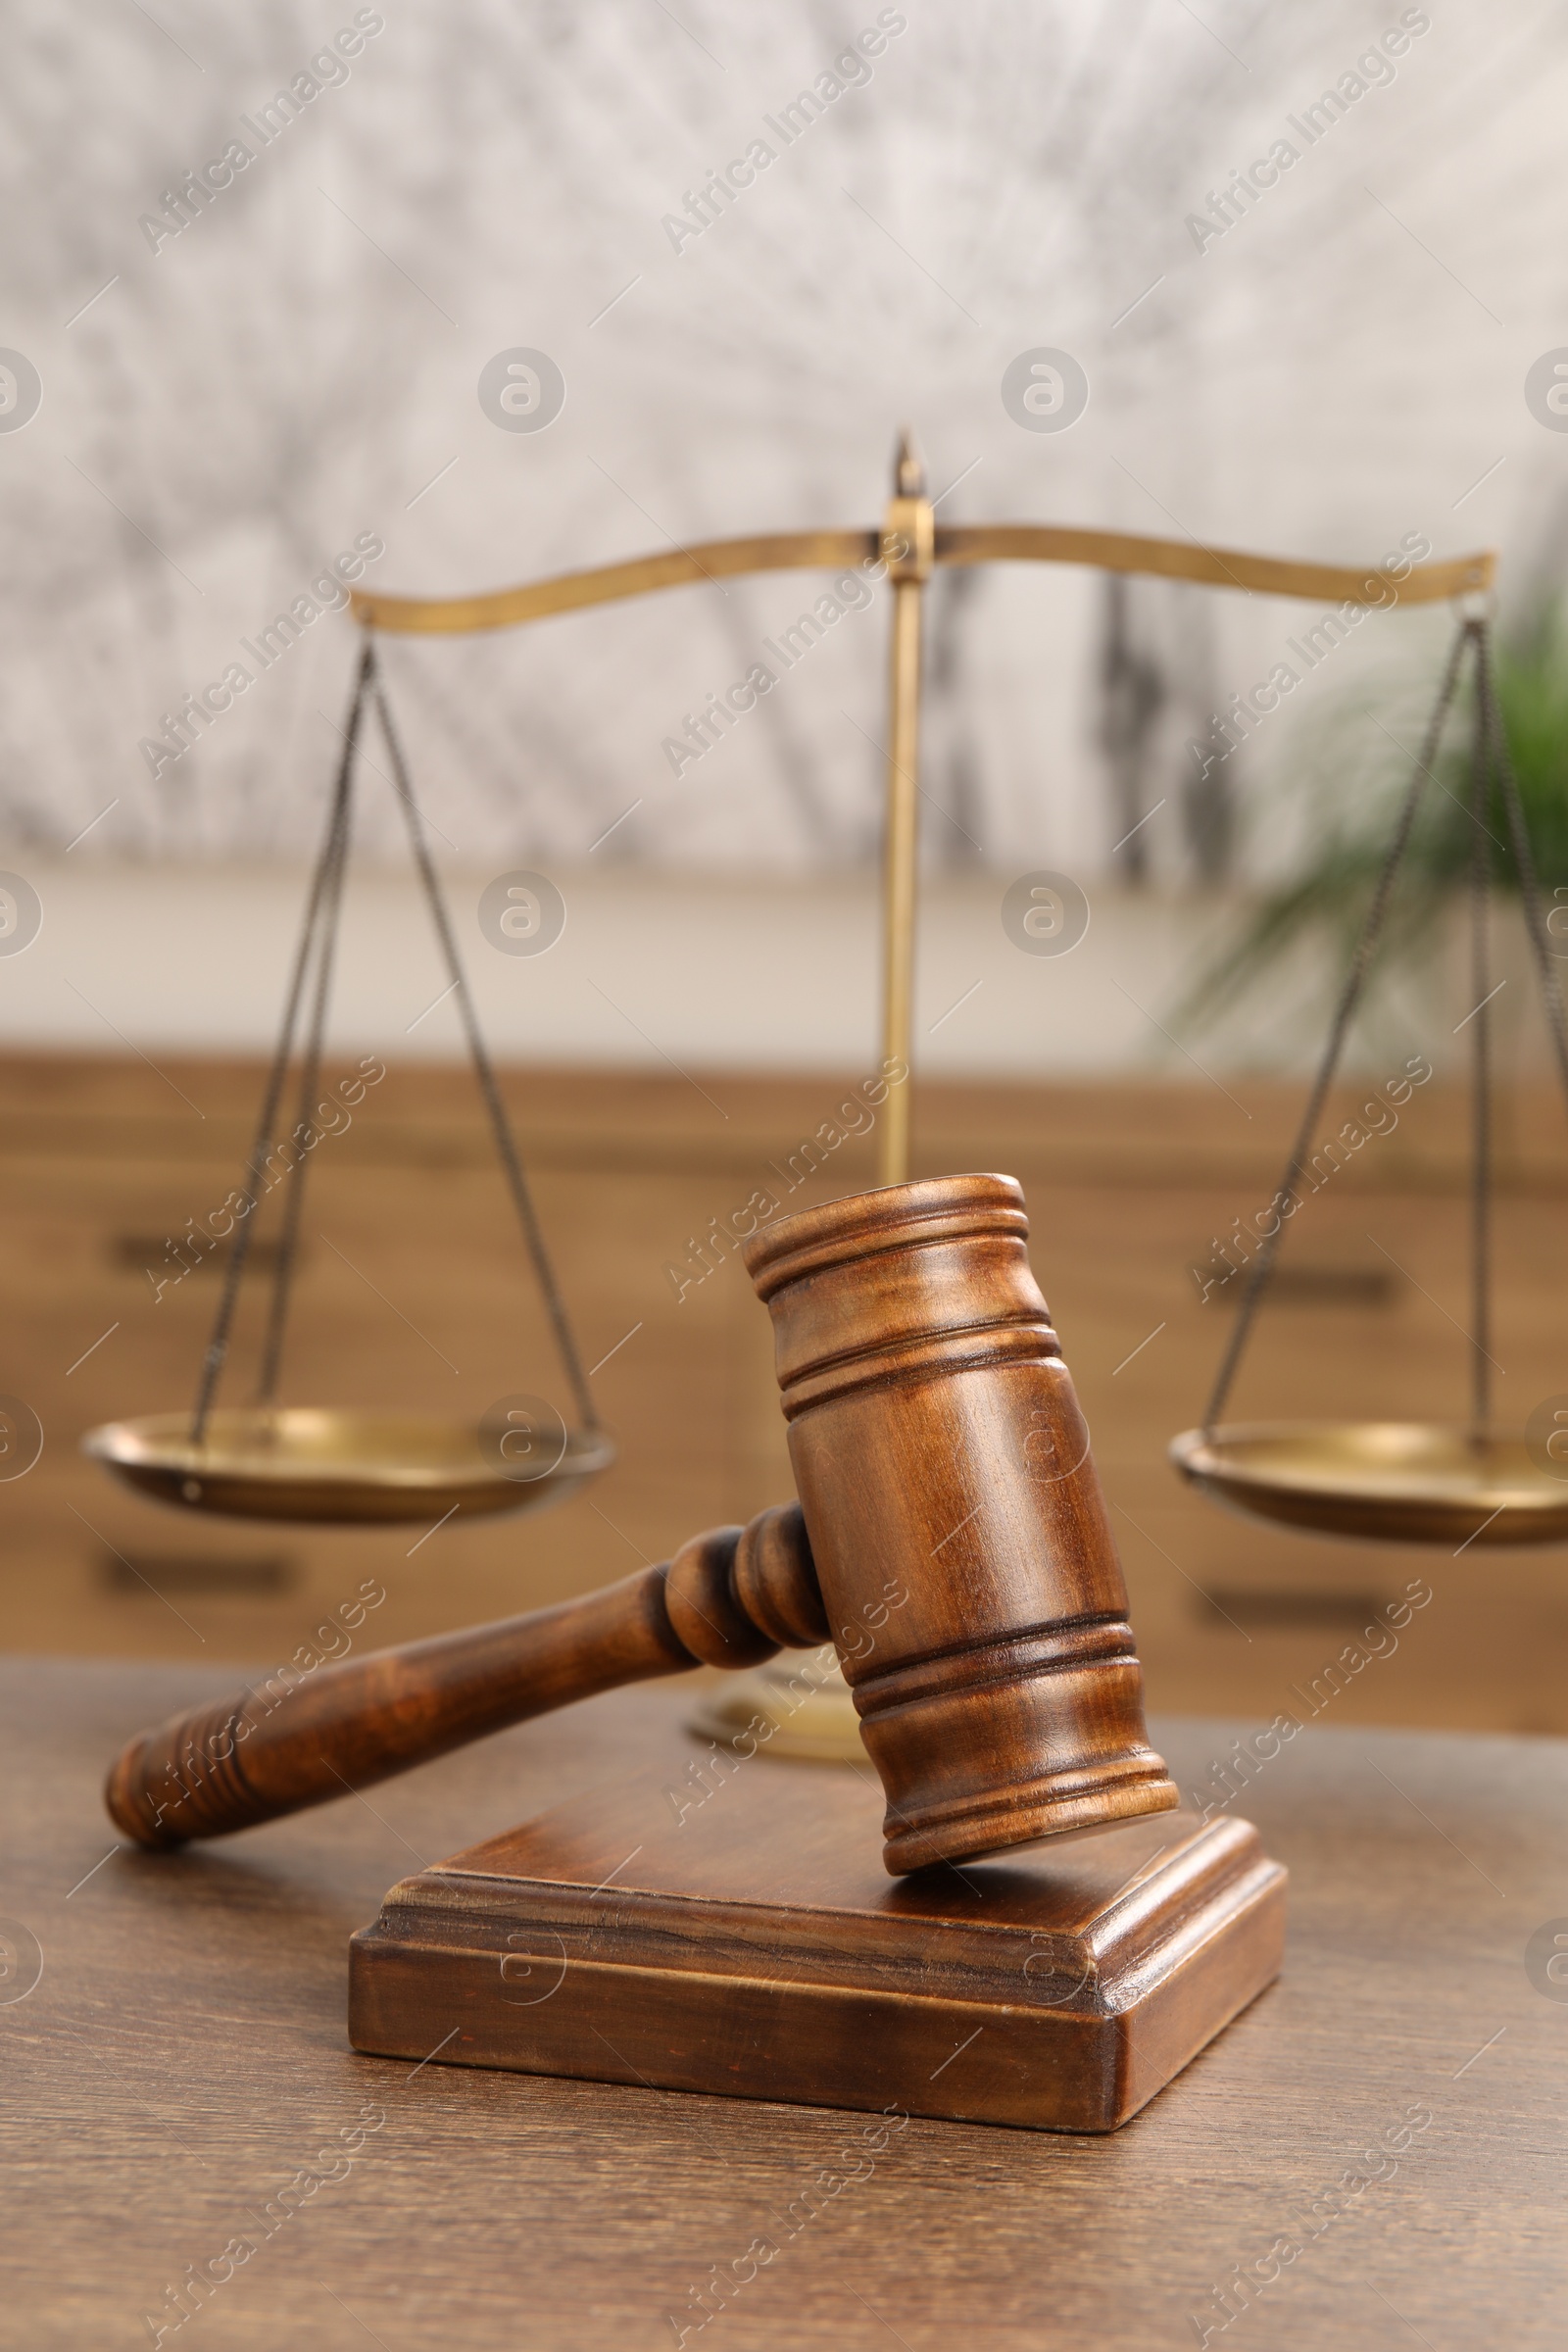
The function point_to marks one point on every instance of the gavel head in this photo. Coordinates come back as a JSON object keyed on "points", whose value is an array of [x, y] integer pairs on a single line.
{"points": [[956, 1520]]}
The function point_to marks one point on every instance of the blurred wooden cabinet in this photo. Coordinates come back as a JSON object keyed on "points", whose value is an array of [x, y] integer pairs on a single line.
{"points": [[413, 1290]]}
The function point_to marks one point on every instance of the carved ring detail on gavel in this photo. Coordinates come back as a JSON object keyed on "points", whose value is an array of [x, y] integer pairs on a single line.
{"points": [[936, 1439]]}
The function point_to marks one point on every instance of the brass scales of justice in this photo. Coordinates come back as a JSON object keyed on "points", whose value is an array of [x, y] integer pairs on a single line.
{"points": [[914, 1354]]}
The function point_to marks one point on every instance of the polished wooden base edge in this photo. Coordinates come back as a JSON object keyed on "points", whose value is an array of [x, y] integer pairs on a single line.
{"points": [[745, 1942]]}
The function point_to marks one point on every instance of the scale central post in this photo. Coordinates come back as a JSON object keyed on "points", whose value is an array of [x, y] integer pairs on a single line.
{"points": [[908, 545]]}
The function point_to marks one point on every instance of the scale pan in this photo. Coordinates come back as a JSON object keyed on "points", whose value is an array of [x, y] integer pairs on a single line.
{"points": [[328, 1467], [1402, 1482]]}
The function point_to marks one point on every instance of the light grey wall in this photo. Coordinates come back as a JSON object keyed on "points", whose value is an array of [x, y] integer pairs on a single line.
{"points": [[299, 365], [677, 973]]}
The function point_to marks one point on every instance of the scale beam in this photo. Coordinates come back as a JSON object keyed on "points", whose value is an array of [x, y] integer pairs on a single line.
{"points": [[955, 543], [613, 583], [912, 545]]}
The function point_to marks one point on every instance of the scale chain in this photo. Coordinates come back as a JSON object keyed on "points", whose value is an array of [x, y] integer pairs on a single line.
{"points": [[331, 908], [267, 1122], [484, 1071], [1350, 997], [318, 940]]}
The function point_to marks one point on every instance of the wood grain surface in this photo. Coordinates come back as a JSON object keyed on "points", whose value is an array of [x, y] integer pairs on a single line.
{"points": [[263, 1752], [182, 2060], [101, 1162], [755, 1950], [943, 1471]]}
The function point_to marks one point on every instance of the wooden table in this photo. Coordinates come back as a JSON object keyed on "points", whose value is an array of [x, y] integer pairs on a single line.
{"points": [[180, 2073]]}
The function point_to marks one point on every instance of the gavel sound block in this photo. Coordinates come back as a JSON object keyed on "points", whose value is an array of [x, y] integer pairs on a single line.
{"points": [[749, 1946]]}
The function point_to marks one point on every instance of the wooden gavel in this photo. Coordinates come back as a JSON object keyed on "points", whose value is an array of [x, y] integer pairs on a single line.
{"points": [[936, 1440]]}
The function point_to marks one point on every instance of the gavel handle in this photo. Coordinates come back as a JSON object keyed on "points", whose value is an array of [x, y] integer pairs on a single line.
{"points": [[730, 1597]]}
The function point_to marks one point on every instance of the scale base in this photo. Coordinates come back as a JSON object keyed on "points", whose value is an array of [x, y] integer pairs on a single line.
{"points": [[748, 1944]]}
